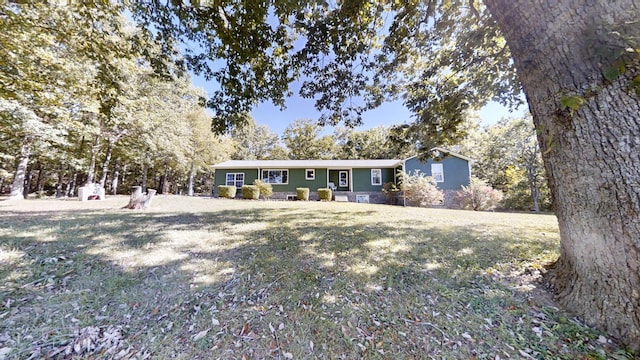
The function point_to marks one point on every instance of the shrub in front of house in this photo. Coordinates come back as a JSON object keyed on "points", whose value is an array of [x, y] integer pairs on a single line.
{"points": [[420, 190], [250, 192], [324, 194], [302, 194], [478, 196], [227, 191], [266, 190]]}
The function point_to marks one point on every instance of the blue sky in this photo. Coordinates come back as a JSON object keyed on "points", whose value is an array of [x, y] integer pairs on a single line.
{"points": [[388, 114]]}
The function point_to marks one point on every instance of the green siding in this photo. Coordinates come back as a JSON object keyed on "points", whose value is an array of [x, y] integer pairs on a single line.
{"points": [[456, 171], [297, 179], [362, 179], [250, 175]]}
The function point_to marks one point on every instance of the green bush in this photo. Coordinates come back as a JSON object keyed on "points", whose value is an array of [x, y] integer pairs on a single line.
{"points": [[324, 194], [250, 192], [266, 190], [303, 193], [227, 191]]}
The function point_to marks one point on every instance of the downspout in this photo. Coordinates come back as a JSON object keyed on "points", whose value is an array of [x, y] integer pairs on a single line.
{"points": [[404, 168], [350, 179]]}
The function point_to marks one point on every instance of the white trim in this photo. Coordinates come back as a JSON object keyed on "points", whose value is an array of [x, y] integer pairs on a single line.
{"points": [[235, 176], [447, 152], [346, 184], [279, 183], [307, 164], [380, 176], [435, 166], [306, 174]]}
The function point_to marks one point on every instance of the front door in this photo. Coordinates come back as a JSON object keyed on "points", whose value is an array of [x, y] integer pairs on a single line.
{"points": [[340, 178]]}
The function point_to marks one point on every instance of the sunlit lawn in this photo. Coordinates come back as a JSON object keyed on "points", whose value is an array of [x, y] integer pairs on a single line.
{"points": [[207, 278]]}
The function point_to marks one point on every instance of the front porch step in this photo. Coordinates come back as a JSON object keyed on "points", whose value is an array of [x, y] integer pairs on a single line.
{"points": [[341, 198]]}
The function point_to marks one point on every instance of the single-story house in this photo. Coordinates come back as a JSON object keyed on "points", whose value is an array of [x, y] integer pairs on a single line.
{"points": [[358, 180]]}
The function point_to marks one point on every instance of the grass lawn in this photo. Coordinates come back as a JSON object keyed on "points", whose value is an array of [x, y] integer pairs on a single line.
{"points": [[199, 278]]}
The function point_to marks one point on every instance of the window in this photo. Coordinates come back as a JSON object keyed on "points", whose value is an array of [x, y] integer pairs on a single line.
{"points": [[275, 176], [236, 179], [310, 174], [437, 172], [376, 177], [343, 176]]}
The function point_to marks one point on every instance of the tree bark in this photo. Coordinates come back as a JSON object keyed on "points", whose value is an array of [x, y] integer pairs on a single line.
{"points": [[71, 189], [145, 170], [591, 153], [17, 189], [27, 182], [105, 164], [114, 179], [91, 174], [59, 182], [190, 180]]}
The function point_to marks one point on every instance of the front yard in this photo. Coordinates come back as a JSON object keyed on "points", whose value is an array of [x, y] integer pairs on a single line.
{"points": [[199, 278]]}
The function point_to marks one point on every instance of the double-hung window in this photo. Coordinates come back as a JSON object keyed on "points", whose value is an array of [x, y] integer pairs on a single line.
{"points": [[437, 172], [275, 176], [235, 179], [376, 177]]}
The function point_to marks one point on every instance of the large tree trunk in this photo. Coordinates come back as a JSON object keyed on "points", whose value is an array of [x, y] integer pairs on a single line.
{"points": [[591, 153], [17, 189]]}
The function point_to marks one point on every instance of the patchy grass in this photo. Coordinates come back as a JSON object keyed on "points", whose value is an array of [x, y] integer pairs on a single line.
{"points": [[198, 278]]}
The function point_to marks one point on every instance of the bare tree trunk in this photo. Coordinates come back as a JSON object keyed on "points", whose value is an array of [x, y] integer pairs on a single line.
{"points": [[105, 164], [27, 182], [91, 174], [561, 49], [114, 179], [72, 185], [145, 170], [533, 187], [41, 178], [59, 183], [190, 180], [17, 189]]}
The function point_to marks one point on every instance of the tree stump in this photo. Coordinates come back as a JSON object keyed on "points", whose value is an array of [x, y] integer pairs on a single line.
{"points": [[140, 200]]}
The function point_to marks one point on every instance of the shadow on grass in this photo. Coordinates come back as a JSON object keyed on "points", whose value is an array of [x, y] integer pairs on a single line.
{"points": [[333, 278]]}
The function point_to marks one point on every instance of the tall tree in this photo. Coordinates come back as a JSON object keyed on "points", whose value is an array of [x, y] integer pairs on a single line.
{"points": [[508, 157], [303, 140], [256, 142], [42, 85], [580, 72]]}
